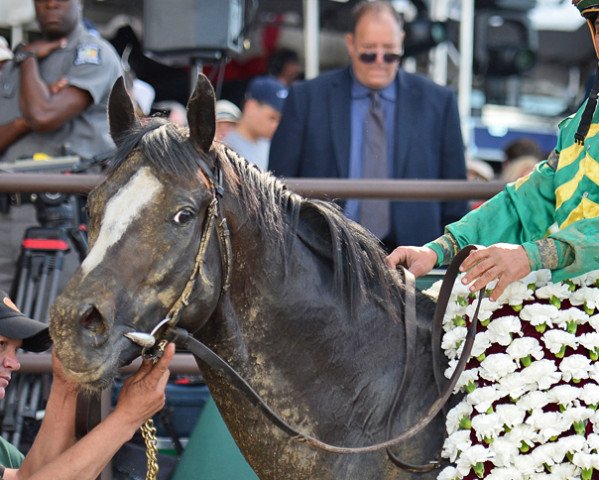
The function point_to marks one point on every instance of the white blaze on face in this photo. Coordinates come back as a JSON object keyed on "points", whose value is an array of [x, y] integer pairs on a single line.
{"points": [[121, 210]]}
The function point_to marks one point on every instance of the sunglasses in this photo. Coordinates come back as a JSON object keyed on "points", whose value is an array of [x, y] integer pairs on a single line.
{"points": [[370, 57]]}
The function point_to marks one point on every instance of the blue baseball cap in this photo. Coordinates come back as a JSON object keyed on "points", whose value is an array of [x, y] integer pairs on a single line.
{"points": [[268, 90]]}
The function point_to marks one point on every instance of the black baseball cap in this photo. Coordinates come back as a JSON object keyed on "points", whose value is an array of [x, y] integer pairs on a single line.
{"points": [[13, 324]]}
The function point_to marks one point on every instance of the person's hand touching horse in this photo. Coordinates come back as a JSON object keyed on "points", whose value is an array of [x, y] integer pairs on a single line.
{"points": [[418, 260], [143, 393], [503, 262]]}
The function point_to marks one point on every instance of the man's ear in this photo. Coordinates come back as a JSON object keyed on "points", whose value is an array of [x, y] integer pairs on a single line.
{"points": [[349, 43]]}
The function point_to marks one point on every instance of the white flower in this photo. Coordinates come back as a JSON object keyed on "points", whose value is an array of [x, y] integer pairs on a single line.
{"points": [[501, 329], [586, 296], [589, 394], [487, 426], [557, 290], [510, 414], [467, 376], [528, 466], [570, 444], [482, 342], [594, 372], [514, 385], [450, 367], [540, 278], [586, 279], [571, 315], [455, 415], [455, 443], [534, 400], [508, 473], [592, 441], [504, 452], [522, 433], [433, 291], [525, 346], [565, 471], [487, 307], [589, 340], [547, 454], [470, 457], [577, 414], [482, 398], [542, 372], [563, 394], [539, 314], [449, 473], [515, 294], [586, 460], [555, 339], [548, 424], [594, 321], [575, 367], [497, 366], [453, 340]]}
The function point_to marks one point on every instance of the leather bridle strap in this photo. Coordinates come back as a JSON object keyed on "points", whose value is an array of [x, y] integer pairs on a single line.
{"points": [[204, 354]]}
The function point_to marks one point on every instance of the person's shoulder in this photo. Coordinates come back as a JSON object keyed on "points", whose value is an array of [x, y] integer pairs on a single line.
{"points": [[90, 45], [331, 77], [420, 82]]}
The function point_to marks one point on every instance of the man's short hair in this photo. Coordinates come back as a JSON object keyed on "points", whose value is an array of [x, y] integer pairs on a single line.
{"points": [[376, 6]]}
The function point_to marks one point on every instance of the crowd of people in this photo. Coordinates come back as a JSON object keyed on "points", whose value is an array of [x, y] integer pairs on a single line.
{"points": [[369, 119]]}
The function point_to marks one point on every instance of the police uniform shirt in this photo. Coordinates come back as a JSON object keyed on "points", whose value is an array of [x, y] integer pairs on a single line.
{"points": [[89, 63]]}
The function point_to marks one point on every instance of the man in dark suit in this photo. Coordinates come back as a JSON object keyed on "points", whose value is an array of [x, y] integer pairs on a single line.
{"points": [[323, 134]]}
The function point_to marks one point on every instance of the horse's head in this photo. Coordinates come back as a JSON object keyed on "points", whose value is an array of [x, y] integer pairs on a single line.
{"points": [[148, 221]]}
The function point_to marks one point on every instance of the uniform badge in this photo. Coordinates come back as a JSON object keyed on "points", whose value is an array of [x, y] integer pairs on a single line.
{"points": [[88, 55]]}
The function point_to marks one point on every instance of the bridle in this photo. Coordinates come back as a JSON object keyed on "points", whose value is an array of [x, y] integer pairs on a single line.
{"points": [[171, 332]]}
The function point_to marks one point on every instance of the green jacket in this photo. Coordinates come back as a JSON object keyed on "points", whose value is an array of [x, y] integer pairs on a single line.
{"points": [[553, 212]]}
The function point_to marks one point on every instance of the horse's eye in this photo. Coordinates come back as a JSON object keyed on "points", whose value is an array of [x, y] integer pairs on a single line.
{"points": [[183, 216]]}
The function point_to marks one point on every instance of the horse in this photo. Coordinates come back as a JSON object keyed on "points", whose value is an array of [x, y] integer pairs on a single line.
{"points": [[292, 294]]}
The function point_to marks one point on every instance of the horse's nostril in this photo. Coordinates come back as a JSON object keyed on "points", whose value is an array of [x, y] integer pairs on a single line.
{"points": [[93, 321]]}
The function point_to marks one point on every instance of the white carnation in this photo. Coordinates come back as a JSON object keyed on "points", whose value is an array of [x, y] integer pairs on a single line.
{"points": [[482, 342], [510, 414], [563, 394], [575, 367], [570, 444], [501, 329], [487, 307], [525, 346], [467, 376], [565, 471], [589, 340], [497, 366], [534, 400], [586, 460], [515, 294], [507, 473], [548, 424], [539, 314], [571, 315], [455, 443], [555, 339], [586, 296], [514, 385], [557, 290], [453, 340], [470, 457], [586, 279], [487, 426], [455, 415], [482, 398], [589, 394], [449, 473], [543, 373], [504, 452]]}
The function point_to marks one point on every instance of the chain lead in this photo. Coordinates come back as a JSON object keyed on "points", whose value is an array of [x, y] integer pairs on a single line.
{"points": [[148, 431]]}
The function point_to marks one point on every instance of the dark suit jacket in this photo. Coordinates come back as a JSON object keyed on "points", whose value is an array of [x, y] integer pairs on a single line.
{"points": [[313, 140]]}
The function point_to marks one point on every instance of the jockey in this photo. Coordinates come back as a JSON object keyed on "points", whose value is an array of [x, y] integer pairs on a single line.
{"points": [[548, 219]]}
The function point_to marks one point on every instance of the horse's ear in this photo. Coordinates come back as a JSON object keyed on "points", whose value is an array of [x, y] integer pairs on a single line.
{"points": [[121, 112], [200, 114]]}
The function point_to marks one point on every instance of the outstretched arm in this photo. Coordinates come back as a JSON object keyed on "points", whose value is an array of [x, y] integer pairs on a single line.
{"points": [[142, 395]]}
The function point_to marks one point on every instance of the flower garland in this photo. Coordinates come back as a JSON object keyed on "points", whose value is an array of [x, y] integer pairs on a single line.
{"points": [[530, 390]]}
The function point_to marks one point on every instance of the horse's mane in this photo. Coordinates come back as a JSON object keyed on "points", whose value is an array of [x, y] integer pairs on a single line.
{"points": [[356, 255]]}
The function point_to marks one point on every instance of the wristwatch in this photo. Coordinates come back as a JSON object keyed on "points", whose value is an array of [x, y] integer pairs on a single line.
{"points": [[20, 55]]}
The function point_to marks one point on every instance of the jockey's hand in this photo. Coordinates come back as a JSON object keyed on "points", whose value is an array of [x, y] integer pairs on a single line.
{"points": [[418, 260], [503, 262]]}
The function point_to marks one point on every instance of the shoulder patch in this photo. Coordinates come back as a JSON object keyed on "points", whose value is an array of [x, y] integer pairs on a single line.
{"points": [[88, 55], [553, 159]]}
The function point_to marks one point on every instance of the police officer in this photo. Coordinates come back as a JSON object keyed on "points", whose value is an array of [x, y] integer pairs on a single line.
{"points": [[53, 97]]}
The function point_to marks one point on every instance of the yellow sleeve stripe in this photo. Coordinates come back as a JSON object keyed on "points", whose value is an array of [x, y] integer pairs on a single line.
{"points": [[570, 154], [588, 168]]}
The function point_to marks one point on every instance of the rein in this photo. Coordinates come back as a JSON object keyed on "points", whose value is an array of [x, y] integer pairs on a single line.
{"points": [[203, 353]]}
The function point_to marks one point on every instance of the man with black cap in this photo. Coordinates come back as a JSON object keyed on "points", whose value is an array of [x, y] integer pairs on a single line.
{"points": [[515, 224], [55, 453]]}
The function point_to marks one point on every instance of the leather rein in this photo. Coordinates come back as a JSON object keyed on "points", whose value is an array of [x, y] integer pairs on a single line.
{"points": [[207, 356]]}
